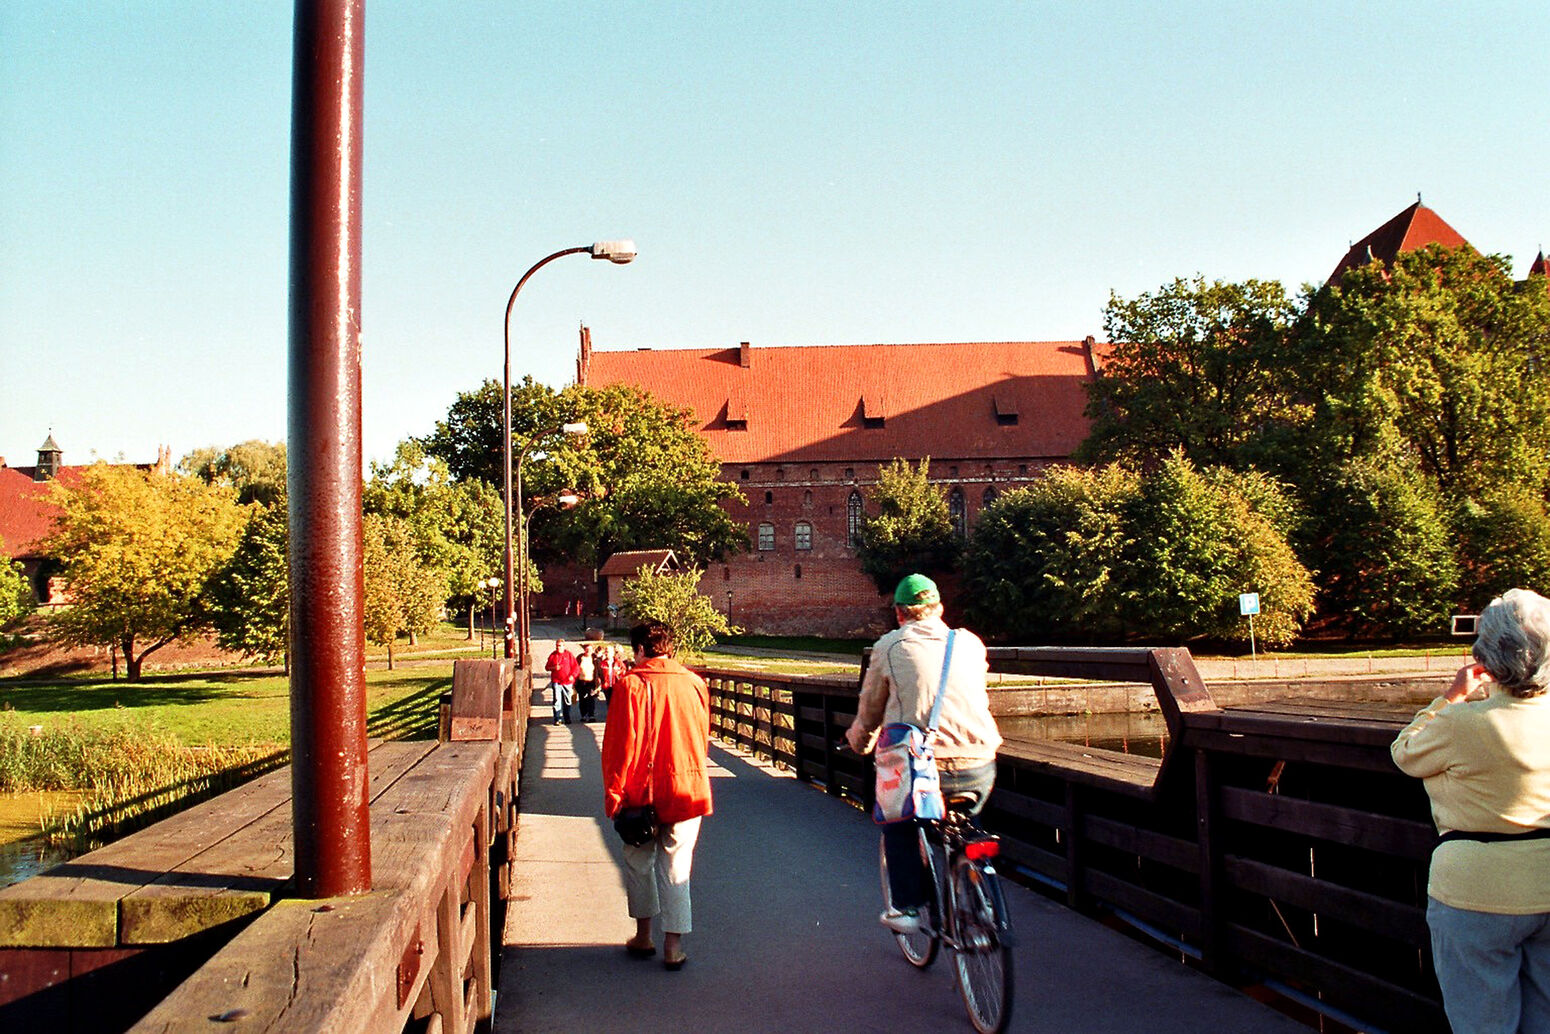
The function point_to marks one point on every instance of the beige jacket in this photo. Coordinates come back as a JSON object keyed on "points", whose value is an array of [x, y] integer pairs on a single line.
{"points": [[901, 684], [1486, 767]]}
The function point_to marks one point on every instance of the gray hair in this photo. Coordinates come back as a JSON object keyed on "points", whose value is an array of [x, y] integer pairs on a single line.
{"points": [[1513, 642]]}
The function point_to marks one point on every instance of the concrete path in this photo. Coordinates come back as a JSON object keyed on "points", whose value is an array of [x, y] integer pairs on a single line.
{"points": [[786, 936]]}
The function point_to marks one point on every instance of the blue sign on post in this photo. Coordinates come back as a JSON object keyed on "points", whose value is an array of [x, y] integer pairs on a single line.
{"points": [[1248, 603]]}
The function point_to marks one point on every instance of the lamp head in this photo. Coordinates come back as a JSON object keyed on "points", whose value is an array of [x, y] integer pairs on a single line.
{"points": [[568, 499], [618, 252], [579, 427]]}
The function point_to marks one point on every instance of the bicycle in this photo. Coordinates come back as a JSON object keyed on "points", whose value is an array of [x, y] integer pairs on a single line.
{"points": [[959, 861]]}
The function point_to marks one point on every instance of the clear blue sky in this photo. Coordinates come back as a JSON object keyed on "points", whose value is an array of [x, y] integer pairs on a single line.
{"points": [[793, 173]]}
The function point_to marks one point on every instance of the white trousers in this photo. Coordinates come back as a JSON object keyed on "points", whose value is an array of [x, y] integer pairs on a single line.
{"points": [[656, 875]]}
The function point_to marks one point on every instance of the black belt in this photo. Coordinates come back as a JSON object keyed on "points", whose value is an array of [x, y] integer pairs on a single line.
{"points": [[1538, 833]]}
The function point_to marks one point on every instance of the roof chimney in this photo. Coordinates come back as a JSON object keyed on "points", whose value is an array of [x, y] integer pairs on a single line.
{"points": [[584, 358], [743, 357]]}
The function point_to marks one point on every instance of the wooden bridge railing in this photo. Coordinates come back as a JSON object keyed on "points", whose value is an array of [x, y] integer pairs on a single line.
{"points": [[191, 920], [1277, 847]]}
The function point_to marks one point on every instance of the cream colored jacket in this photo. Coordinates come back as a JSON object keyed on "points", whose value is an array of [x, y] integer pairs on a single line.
{"points": [[901, 685], [1486, 767]]}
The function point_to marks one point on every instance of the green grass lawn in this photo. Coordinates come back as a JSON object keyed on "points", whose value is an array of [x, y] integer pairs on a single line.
{"points": [[227, 707]]}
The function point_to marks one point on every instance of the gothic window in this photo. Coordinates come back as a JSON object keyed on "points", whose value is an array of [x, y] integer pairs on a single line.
{"points": [[990, 495], [803, 533], [807, 498], [958, 512], [853, 520], [766, 536], [799, 570], [769, 497]]}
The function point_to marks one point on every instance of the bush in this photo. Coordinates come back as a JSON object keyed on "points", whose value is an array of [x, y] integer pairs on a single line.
{"points": [[676, 601]]}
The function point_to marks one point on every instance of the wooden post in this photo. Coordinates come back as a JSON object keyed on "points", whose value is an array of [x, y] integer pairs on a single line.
{"points": [[1207, 833], [1075, 896]]}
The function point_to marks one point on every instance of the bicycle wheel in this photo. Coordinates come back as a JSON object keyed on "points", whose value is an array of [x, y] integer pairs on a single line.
{"points": [[919, 948], [983, 953]]}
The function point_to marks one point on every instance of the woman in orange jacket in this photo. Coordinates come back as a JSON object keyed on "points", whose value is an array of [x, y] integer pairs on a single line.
{"points": [[655, 747]]}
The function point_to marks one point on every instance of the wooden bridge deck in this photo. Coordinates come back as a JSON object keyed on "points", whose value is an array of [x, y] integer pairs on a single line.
{"points": [[786, 935]]}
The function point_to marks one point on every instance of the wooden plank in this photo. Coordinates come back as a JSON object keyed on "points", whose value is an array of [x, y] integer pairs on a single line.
{"points": [[1400, 1008], [76, 904], [1147, 905], [241, 873], [1173, 852], [479, 691], [1370, 831], [1122, 773], [1403, 922], [1359, 756]]}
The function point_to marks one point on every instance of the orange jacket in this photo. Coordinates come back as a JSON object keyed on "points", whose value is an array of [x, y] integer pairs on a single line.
{"points": [[675, 778]]}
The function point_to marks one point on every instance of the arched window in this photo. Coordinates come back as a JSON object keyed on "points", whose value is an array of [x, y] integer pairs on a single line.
{"points": [[769, 497], [766, 536], [853, 520], [958, 512], [803, 535], [990, 495], [807, 498]]}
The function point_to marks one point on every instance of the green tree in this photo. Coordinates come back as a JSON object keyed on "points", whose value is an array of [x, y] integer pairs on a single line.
{"points": [[676, 601], [403, 595], [1042, 561], [1426, 358], [647, 480], [1383, 545], [457, 526], [249, 596], [1192, 366], [1193, 543], [254, 469], [1504, 543], [911, 528], [137, 550], [15, 594]]}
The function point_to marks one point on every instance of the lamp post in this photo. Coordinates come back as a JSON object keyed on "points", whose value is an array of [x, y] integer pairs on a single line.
{"points": [[516, 618], [492, 584], [617, 252]]}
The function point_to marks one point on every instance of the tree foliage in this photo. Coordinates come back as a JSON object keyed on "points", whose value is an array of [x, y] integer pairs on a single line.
{"points": [[1106, 553], [908, 528], [15, 594], [1504, 543], [675, 600], [249, 595], [647, 480], [137, 549], [254, 469], [403, 595], [1192, 367]]}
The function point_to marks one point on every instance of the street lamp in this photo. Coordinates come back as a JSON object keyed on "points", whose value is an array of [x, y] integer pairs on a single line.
{"points": [[618, 252]]}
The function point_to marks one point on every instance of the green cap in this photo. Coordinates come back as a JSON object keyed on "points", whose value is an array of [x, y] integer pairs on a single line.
{"points": [[915, 590]]}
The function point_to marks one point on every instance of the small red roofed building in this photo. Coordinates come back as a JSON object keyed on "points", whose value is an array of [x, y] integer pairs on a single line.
{"points": [[624, 566], [27, 514], [802, 432], [1412, 229]]}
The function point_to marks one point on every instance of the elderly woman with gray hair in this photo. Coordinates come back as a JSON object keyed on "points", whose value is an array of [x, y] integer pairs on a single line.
{"points": [[1483, 750]]}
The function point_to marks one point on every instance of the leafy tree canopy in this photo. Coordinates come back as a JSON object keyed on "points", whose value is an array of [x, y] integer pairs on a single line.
{"points": [[137, 549], [249, 596], [676, 601], [403, 596], [647, 480], [15, 594], [908, 528], [254, 469], [1192, 367]]}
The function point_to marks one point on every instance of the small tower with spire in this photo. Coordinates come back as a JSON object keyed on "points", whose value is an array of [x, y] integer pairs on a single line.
{"points": [[48, 460]]}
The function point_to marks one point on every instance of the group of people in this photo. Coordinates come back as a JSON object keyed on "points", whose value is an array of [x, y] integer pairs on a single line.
{"points": [[1482, 749], [580, 678]]}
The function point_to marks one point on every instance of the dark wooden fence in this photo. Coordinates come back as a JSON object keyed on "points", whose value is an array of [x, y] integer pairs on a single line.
{"points": [[1277, 847]]}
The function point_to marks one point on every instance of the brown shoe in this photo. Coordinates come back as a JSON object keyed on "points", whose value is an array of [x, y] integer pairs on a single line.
{"points": [[639, 951]]}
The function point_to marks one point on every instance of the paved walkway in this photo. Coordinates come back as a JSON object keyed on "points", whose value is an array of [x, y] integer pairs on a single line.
{"points": [[786, 937]]}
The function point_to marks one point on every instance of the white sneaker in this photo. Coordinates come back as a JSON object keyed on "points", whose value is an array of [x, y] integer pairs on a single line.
{"points": [[901, 921]]}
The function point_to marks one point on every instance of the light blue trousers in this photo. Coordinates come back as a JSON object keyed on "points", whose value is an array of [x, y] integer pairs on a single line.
{"points": [[1494, 969]]}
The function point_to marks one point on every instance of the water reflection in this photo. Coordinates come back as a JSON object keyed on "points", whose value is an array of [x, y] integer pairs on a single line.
{"points": [[1128, 732], [26, 858]]}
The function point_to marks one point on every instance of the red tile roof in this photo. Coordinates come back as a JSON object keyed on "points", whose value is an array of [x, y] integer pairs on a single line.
{"points": [[630, 561], [1539, 267], [979, 400], [1415, 227], [26, 513]]}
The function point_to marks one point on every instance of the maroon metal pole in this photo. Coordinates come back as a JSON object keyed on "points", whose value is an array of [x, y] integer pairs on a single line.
{"points": [[328, 682]]}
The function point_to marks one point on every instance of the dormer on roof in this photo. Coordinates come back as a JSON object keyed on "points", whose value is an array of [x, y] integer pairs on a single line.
{"points": [[1414, 228], [49, 463]]}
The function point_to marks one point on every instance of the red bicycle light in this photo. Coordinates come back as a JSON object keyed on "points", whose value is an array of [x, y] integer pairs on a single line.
{"points": [[979, 850]]}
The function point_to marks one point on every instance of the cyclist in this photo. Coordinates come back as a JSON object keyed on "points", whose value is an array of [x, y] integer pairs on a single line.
{"points": [[900, 686]]}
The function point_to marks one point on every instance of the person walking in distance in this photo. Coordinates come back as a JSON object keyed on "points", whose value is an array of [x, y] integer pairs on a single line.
{"points": [[900, 685], [655, 753], [562, 668], [586, 683]]}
